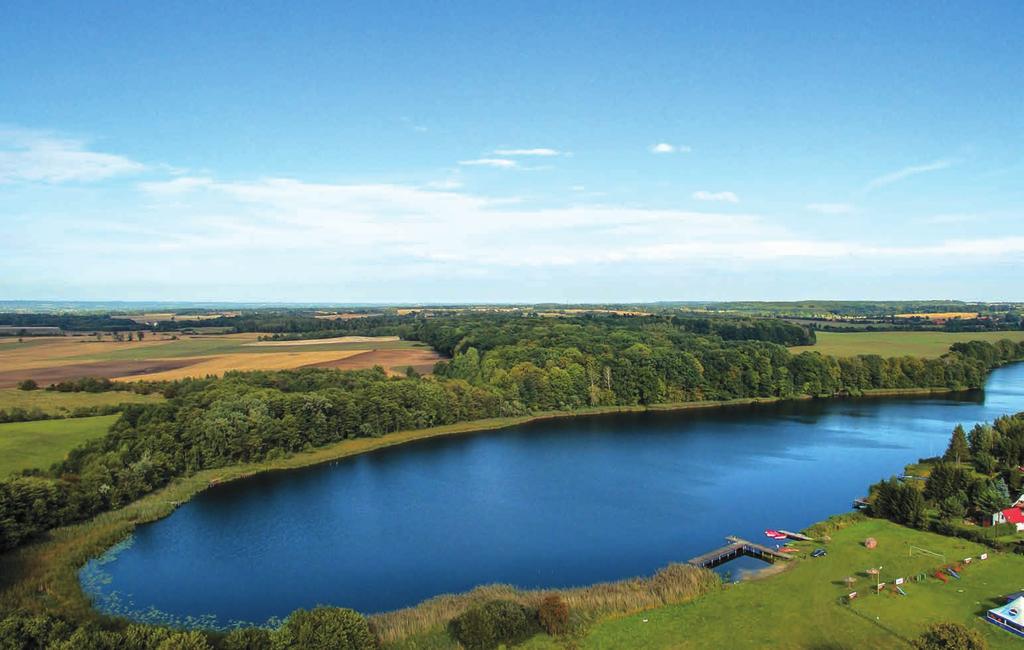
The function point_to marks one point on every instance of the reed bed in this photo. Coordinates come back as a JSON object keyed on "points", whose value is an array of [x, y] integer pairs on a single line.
{"points": [[676, 583]]}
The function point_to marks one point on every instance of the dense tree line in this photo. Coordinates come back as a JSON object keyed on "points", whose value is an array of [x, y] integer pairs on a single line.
{"points": [[71, 322], [977, 476]]}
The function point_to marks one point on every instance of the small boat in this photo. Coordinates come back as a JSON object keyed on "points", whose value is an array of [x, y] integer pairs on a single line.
{"points": [[953, 573], [774, 534], [789, 549]]}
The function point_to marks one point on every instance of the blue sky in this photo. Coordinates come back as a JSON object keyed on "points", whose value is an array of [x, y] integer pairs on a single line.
{"points": [[413, 152]]}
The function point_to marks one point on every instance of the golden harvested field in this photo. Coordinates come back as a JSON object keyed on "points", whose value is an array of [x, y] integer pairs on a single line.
{"points": [[53, 359], [337, 339], [342, 316], [218, 365], [159, 317], [48, 351], [942, 315]]}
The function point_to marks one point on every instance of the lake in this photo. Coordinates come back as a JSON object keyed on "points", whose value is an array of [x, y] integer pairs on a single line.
{"points": [[554, 503]]}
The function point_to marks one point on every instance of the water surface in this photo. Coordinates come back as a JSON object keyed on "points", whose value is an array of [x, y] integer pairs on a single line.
{"points": [[550, 504]]}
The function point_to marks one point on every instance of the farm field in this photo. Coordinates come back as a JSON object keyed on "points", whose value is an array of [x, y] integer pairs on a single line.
{"points": [[25, 445], [800, 607], [53, 359], [56, 403], [897, 344]]}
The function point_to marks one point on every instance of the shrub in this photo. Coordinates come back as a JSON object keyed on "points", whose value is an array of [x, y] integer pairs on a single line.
{"points": [[325, 628], [27, 384], [950, 636], [493, 623], [553, 615], [247, 638]]}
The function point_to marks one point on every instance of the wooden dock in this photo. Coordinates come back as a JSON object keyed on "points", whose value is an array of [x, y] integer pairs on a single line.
{"points": [[799, 536], [734, 549]]}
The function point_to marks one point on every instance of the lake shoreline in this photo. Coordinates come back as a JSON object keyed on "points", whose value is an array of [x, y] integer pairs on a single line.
{"points": [[45, 574]]}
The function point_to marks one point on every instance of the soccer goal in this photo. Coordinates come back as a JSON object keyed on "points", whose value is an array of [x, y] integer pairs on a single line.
{"points": [[924, 551]]}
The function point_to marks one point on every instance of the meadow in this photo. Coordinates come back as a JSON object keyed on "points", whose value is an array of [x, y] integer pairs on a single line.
{"points": [[803, 607], [25, 445], [898, 344], [62, 404]]}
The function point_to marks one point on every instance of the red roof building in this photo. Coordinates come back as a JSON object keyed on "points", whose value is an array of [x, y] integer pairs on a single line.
{"points": [[1009, 516]]}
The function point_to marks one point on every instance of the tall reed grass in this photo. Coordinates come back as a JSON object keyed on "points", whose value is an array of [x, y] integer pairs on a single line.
{"points": [[676, 583]]}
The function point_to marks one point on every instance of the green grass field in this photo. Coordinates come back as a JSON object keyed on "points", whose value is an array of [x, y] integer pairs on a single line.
{"points": [[898, 344], [55, 403], [800, 607], [24, 445]]}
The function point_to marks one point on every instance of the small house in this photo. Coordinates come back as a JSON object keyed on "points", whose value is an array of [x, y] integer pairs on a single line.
{"points": [[1009, 516]]}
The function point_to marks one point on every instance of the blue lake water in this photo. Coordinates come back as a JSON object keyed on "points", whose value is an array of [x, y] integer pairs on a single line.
{"points": [[555, 503]]}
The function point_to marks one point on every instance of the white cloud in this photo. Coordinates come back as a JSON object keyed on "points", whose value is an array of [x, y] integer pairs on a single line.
{"points": [[38, 156], [665, 147], [722, 197], [528, 152], [830, 208], [907, 172], [179, 185], [502, 163]]}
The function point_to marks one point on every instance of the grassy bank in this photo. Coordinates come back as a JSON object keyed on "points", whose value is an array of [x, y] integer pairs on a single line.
{"points": [[803, 607], [26, 445]]}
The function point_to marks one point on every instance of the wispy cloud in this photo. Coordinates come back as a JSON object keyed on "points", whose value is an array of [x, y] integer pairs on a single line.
{"points": [[722, 197], [528, 152], [907, 172], [38, 156], [830, 208], [502, 163], [179, 185], [665, 147]]}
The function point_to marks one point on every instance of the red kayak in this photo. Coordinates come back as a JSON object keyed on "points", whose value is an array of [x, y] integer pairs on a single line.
{"points": [[789, 549], [774, 534]]}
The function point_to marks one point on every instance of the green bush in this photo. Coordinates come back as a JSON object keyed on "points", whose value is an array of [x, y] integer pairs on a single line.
{"points": [[247, 638], [325, 628], [950, 636], [27, 384], [493, 623]]}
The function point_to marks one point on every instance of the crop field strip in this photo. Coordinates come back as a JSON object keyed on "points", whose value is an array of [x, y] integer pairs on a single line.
{"points": [[54, 359], [898, 344]]}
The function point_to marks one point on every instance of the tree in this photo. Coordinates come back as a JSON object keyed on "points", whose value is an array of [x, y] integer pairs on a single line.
{"points": [[945, 480], [953, 507], [28, 384], [958, 450], [950, 636]]}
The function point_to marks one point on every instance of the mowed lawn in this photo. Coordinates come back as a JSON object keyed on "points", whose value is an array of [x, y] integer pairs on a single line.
{"points": [[898, 344], [26, 445], [56, 403], [801, 607]]}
